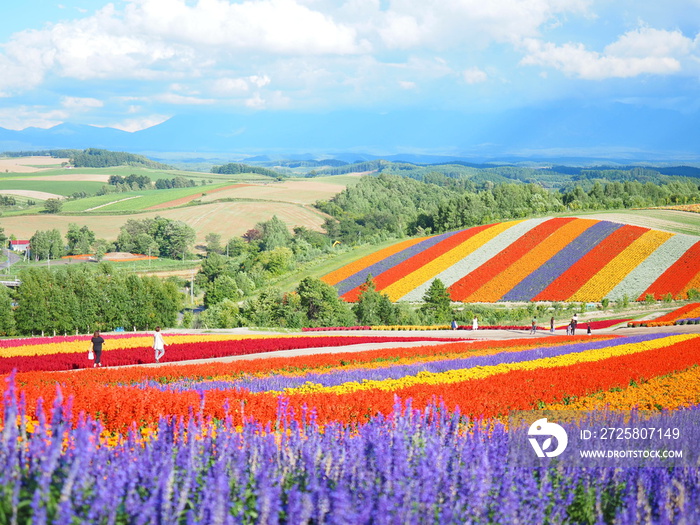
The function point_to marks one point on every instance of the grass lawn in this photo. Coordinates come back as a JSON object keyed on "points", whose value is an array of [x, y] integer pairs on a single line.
{"points": [[319, 268]]}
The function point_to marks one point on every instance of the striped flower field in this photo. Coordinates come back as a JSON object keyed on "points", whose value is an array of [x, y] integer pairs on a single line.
{"points": [[392, 435], [557, 259]]}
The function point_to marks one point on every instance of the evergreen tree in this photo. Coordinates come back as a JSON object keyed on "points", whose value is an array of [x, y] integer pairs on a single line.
{"points": [[373, 307], [321, 305], [7, 318], [437, 303]]}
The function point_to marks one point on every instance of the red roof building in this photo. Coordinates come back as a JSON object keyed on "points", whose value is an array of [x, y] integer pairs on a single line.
{"points": [[19, 246]]}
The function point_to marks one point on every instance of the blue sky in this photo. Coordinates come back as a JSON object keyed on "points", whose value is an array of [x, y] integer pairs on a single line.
{"points": [[131, 64]]}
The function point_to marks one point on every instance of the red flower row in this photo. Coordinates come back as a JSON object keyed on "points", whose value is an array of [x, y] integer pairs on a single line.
{"points": [[188, 351]]}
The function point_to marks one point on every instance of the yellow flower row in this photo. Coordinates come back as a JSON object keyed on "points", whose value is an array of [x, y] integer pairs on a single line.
{"points": [[673, 391], [480, 372], [505, 281], [428, 271], [122, 343], [622, 264]]}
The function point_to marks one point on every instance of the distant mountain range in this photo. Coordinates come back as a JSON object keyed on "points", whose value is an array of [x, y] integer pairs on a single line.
{"points": [[566, 134]]}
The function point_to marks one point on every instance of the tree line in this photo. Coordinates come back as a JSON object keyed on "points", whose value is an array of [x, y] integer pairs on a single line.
{"points": [[80, 298], [102, 158], [156, 236], [234, 168]]}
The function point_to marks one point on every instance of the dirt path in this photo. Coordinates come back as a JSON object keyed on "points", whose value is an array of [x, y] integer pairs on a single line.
{"points": [[113, 202]]}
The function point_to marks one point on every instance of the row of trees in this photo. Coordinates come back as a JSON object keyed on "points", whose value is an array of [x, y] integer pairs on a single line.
{"points": [[102, 158], [82, 298], [234, 168], [157, 236], [315, 303]]}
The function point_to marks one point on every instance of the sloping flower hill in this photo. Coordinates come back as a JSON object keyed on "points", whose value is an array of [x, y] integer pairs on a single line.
{"points": [[383, 436], [549, 259]]}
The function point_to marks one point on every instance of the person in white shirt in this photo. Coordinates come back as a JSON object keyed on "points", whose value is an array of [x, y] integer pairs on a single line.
{"points": [[158, 344]]}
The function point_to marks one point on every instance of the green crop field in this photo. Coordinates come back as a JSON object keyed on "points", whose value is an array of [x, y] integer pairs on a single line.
{"points": [[131, 201], [64, 188]]}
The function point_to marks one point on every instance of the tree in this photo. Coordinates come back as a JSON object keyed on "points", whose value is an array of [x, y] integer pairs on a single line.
{"points": [[53, 205], [213, 241], [47, 245], [80, 240], [372, 307], [7, 318], [274, 234], [438, 304], [222, 287], [320, 304]]}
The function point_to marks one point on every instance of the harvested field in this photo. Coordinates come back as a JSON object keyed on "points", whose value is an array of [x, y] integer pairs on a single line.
{"points": [[28, 164], [230, 219], [297, 191], [40, 195]]}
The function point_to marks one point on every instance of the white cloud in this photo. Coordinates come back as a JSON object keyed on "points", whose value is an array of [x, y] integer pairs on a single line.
{"points": [[268, 26], [81, 103], [406, 84], [638, 52], [137, 124], [236, 87], [474, 75], [22, 117], [444, 23], [182, 100]]}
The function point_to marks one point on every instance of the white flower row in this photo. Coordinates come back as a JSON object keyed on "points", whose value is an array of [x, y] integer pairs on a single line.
{"points": [[476, 258], [644, 275]]}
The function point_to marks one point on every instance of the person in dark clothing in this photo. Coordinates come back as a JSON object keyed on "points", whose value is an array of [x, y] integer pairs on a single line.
{"points": [[97, 342]]}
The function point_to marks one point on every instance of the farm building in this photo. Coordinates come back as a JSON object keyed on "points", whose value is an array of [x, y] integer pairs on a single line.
{"points": [[19, 246]]}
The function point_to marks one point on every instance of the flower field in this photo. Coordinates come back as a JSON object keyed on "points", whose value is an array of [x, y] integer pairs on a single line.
{"points": [[690, 313], [390, 435], [557, 259]]}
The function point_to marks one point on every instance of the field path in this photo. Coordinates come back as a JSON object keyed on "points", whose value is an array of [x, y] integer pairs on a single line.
{"points": [[113, 202], [457, 335], [184, 200]]}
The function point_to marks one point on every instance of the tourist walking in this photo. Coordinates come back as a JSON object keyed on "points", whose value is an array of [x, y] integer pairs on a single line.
{"points": [[158, 344], [533, 330], [454, 324], [97, 342], [475, 324], [551, 325]]}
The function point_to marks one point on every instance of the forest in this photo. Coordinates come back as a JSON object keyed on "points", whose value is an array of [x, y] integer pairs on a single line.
{"points": [[102, 158], [389, 205]]}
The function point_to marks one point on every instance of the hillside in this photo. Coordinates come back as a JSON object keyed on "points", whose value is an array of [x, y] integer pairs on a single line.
{"points": [[546, 259], [227, 204]]}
